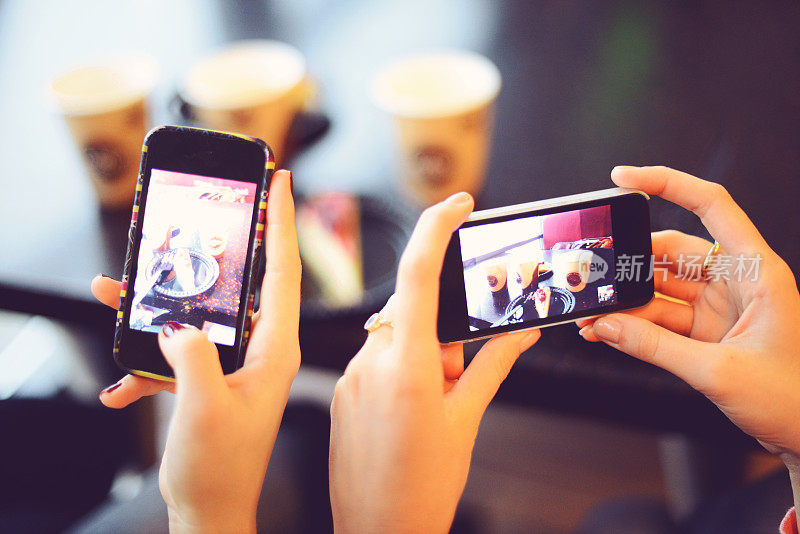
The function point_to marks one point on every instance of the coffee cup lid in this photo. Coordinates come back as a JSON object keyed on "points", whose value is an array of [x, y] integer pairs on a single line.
{"points": [[243, 74], [436, 84], [104, 84]]}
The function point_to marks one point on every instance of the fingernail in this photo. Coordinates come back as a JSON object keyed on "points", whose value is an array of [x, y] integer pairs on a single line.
{"points": [[112, 387], [607, 329], [582, 331], [459, 198], [620, 168], [104, 275], [529, 339], [291, 183], [170, 328]]}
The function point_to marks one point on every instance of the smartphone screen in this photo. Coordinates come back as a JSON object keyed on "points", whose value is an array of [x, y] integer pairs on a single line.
{"points": [[527, 268], [194, 241], [192, 254]]}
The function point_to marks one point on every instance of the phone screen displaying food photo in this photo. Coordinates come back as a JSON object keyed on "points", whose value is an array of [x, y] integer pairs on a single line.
{"points": [[538, 267], [192, 254]]}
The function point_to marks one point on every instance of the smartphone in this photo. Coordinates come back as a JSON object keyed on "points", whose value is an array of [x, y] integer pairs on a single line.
{"points": [[194, 243], [545, 263]]}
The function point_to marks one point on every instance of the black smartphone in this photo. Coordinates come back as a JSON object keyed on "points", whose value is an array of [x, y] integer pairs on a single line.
{"points": [[544, 263], [194, 244]]}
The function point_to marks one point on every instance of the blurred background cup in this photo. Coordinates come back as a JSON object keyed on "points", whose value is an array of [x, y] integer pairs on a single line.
{"points": [[255, 87], [442, 104], [104, 103]]}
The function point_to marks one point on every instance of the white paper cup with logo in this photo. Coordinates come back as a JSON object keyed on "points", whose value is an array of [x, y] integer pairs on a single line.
{"points": [[572, 269], [255, 87], [523, 271], [442, 104], [104, 103]]}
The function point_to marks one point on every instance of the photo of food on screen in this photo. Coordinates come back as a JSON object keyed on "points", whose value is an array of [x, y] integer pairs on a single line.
{"points": [[538, 267], [192, 255]]}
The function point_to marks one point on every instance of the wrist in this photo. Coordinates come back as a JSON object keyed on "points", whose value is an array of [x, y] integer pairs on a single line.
{"points": [[232, 521]]}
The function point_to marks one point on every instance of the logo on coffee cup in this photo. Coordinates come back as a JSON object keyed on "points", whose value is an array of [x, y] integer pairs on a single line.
{"points": [[104, 158], [433, 165]]}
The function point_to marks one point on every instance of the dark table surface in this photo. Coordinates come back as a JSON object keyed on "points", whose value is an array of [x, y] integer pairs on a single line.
{"points": [[709, 88]]}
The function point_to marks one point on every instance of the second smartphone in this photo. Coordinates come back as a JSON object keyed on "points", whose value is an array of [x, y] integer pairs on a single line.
{"points": [[195, 242], [546, 263]]}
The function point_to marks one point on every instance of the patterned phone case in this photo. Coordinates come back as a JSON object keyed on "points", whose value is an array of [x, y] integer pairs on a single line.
{"points": [[258, 239]]}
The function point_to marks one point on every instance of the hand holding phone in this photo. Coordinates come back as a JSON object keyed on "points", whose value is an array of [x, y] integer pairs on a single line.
{"points": [[221, 436], [734, 337], [406, 412]]}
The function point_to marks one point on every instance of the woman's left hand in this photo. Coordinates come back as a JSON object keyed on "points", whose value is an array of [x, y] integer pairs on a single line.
{"points": [[405, 414]]}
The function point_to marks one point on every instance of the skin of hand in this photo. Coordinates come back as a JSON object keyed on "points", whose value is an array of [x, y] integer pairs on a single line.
{"points": [[224, 426], [405, 413], [735, 340]]}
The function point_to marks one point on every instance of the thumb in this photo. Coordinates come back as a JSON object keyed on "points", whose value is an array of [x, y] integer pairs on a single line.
{"points": [[684, 357], [480, 381], [193, 358]]}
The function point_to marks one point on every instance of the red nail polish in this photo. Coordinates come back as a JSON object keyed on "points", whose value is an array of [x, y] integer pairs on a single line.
{"points": [[291, 183], [170, 328], [112, 387]]}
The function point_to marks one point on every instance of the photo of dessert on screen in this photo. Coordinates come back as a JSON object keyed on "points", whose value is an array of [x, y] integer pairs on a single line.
{"points": [[190, 266], [538, 266]]}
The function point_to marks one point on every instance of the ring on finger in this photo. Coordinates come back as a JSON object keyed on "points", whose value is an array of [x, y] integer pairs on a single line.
{"points": [[381, 318], [375, 321], [708, 263]]}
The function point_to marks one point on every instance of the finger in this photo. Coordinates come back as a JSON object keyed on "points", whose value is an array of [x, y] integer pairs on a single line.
{"points": [[132, 388], [453, 361], [280, 291], [674, 247], [420, 267], [382, 337], [482, 378], [678, 260], [106, 290], [678, 287], [586, 333], [723, 218], [687, 358], [673, 316], [194, 359]]}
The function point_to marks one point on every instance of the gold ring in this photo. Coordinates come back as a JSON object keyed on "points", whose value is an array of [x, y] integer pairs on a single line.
{"points": [[713, 251], [375, 321]]}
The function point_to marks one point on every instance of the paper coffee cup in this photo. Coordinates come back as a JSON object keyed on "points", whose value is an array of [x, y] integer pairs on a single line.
{"points": [[443, 109], [104, 104], [571, 269], [253, 87]]}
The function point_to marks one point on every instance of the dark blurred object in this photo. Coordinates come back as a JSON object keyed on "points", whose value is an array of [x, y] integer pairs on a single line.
{"points": [[294, 497], [753, 508], [307, 128], [634, 515], [58, 460], [384, 231]]}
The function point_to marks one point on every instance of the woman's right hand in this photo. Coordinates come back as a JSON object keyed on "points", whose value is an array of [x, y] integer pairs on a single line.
{"points": [[224, 427], [737, 341]]}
